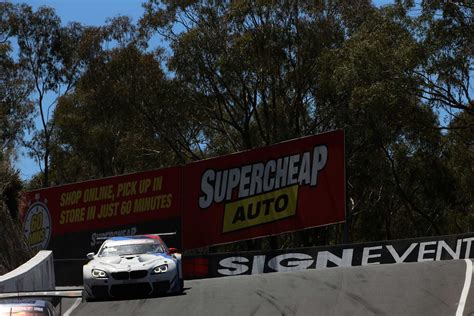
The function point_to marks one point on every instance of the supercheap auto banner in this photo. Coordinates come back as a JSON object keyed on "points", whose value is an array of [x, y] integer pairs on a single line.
{"points": [[279, 188], [284, 187], [124, 205]]}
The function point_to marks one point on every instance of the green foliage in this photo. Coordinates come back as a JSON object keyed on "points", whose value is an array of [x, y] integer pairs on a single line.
{"points": [[130, 116], [51, 58], [447, 35], [13, 248], [252, 62], [11, 187], [460, 153], [243, 74], [363, 87], [14, 105], [271, 71]]}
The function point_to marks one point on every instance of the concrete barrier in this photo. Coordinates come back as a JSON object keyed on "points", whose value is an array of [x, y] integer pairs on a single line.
{"points": [[35, 275]]}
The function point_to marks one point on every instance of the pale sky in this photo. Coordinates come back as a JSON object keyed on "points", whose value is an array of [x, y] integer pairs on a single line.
{"points": [[90, 12]]}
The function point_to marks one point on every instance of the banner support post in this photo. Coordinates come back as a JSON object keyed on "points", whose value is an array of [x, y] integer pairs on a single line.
{"points": [[348, 210]]}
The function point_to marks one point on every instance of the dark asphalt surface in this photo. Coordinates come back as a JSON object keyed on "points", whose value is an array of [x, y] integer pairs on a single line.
{"points": [[430, 288]]}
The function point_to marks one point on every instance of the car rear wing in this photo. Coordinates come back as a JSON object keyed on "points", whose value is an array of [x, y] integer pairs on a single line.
{"points": [[164, 234], [102, 239]]}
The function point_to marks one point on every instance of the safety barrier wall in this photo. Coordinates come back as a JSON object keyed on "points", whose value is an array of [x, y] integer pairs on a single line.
{"points": [[35, 275], [382, 252]]}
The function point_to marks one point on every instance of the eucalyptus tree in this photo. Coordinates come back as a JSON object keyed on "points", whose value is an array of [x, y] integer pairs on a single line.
{"points": [[243, 74], [125, 114], [14, 104], [446, 31], [460, 152], [99, 129], [14, 90], [51, 57], [252, 62], [398, 173]]}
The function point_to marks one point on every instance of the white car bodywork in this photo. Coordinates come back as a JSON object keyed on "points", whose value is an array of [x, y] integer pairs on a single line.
{"points": [[132, 266]]}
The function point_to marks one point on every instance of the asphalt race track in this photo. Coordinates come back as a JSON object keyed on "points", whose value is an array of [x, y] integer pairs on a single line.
{"points": [[428, 288]]}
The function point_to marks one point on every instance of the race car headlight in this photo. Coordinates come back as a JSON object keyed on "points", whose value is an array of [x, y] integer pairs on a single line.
{"points": [[161, 269], [99, 274]]}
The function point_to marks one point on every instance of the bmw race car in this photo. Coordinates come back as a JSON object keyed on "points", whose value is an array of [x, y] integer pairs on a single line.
{"points": [[132, 266]]}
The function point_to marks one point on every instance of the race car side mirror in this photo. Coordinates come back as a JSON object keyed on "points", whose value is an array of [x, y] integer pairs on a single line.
{"points": [[173, 250], [90, 255]]}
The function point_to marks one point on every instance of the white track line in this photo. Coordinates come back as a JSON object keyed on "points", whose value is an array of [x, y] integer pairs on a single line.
{"points": [[465, 290], [73, 307]]}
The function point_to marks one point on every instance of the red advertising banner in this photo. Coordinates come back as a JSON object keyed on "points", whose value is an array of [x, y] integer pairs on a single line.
{"points": [[104, 203], [284, 187]]}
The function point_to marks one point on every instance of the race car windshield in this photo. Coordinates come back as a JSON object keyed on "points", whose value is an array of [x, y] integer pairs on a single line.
{"points": [[135, 249]]}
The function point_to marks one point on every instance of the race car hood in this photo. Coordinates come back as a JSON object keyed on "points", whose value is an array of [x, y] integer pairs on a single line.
{"points": [[131, 261]]}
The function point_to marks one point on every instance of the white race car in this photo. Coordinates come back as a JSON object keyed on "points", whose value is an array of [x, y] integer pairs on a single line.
{"points": [[132, 266]]}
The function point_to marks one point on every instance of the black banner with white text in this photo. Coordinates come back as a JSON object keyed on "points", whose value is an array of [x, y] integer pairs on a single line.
{"points": [[385, 252]]}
